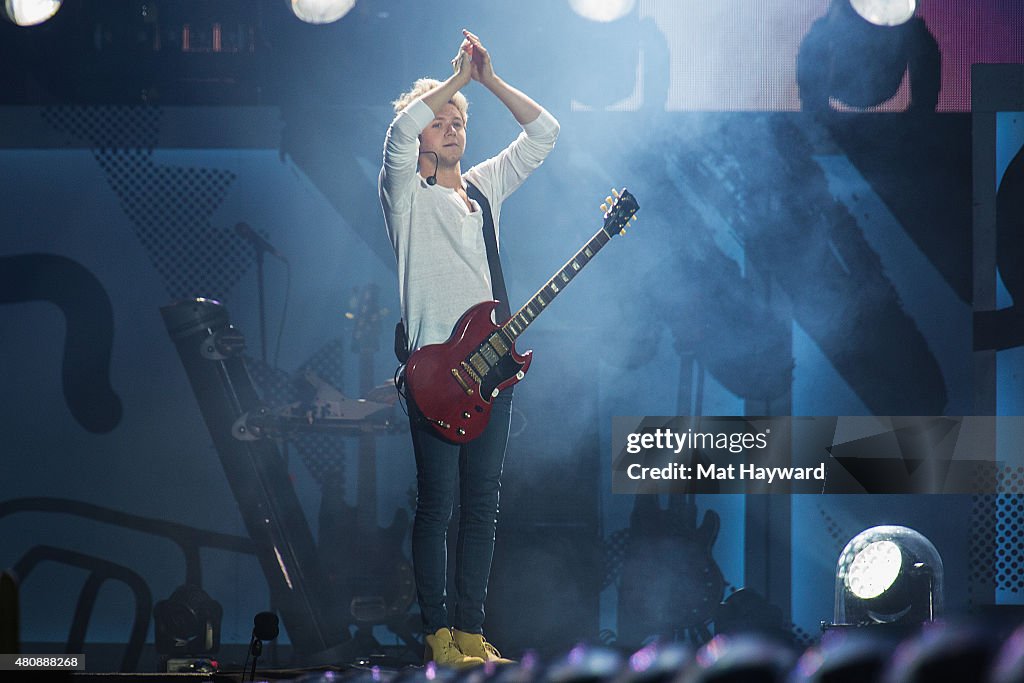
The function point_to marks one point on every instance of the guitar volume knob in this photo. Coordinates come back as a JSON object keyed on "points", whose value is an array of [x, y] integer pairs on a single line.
{"points": [[465, 414]]}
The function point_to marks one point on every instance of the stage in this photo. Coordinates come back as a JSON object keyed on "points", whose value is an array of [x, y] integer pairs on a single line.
{"points": [[811, 331]]}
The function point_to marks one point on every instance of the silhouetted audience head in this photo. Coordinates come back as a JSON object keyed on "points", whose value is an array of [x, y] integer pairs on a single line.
{"points": [[740, 659], [943, 652]]}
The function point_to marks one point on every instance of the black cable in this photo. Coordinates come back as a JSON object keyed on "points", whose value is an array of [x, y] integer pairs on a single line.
{"points": [[400, 388], [245, 663]]}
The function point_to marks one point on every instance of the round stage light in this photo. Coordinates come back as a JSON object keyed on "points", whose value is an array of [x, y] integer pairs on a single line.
{"points": [[30, 12], [862, 51], [602, 10], [885, 12], [321, 11], [888, 575], [874, 569]]}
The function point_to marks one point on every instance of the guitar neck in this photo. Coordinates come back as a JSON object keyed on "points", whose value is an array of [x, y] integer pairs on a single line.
{"points": [[522, 318]]}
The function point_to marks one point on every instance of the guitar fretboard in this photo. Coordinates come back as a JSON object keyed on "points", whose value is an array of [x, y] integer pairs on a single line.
{"points": [[522, 318]]}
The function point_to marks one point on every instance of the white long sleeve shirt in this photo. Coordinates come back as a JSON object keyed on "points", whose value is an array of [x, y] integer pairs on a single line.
{"points": [[438, 241]]}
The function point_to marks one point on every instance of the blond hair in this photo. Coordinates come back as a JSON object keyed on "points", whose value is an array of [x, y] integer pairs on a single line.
{"points": [[421, 88]]}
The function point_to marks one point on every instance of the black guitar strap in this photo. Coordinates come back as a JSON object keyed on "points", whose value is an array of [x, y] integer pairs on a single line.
{"points": [[503, 312]]}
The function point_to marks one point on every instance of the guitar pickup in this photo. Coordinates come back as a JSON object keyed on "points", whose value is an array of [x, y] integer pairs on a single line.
{"points": [[497, 344]]}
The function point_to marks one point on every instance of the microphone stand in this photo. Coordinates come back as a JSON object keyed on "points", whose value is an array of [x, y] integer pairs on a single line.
{"points": [[262, 247], [255, 649], [264, 627]]}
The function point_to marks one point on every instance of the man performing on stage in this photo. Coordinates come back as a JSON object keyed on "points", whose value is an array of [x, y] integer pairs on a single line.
{"points": [[443, 225]]}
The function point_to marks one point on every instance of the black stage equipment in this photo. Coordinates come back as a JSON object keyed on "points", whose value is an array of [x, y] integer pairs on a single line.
{"points": [[858, 63], [187, 624], [211, 352], [264, 627], [888, 575]]}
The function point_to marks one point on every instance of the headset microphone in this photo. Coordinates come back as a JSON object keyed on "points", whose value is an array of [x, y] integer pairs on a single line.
{"points": [[432, 178]]}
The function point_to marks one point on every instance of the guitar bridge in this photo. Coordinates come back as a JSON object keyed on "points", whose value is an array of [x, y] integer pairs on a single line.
{"points": [[472, 374], [462, 382]]}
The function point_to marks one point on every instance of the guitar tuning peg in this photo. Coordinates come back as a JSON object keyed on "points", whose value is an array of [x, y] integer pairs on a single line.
{"points": [[633, 218], [350, 315], [608, 199], [622, 232], [604, 208], [615, 192]]}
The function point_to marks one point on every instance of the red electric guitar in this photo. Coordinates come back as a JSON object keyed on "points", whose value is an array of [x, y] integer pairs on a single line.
{"points": [[453, 383]]}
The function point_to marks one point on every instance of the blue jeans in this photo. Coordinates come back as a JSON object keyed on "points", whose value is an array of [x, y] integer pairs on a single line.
{"points": [[476, 468]]}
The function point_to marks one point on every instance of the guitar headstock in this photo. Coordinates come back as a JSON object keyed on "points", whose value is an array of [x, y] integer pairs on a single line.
{"points": [[618, 211]]}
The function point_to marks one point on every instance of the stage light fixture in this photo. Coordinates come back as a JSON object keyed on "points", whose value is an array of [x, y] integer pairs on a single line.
{"points": [[187, 623], [861, 51], [321, 11], [885, 12], [874, 569], [888, 575], [30, 12], [602, 10]]}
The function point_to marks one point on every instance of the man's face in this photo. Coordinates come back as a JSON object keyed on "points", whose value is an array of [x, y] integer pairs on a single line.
{"points": [[445, 135]]}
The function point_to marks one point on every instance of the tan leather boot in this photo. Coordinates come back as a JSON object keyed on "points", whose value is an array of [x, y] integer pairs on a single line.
{"points": [[443, 650], [475, 645]]}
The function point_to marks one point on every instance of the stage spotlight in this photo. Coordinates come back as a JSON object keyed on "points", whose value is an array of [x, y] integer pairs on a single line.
{"points": [[858, 54], [321, 11], [30, 12], [885, 12], [602, 10], [187, 623], [888, 575]]}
